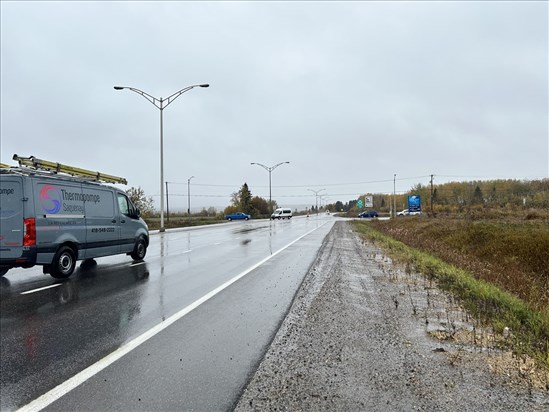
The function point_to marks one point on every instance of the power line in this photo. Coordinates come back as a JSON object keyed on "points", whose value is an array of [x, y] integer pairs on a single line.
{"points": [[308, 185]]}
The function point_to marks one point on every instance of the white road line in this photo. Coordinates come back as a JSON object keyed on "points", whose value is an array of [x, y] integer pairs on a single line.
{"points": [[39, 289], [138, 263], [81, 377]]}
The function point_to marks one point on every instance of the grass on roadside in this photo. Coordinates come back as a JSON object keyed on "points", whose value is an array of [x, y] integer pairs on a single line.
{"points": [[486, 302], [512, 255]]}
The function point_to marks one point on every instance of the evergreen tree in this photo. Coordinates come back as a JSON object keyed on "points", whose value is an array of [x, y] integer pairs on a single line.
{"points": [[245, 199], [477, 196]]}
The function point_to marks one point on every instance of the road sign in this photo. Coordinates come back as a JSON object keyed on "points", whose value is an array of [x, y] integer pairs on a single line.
{"points": [[360, 204], [368, 201], [414, 203]]}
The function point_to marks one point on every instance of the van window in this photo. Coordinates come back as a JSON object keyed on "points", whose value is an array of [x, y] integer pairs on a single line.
{"points": [[123, 205]]}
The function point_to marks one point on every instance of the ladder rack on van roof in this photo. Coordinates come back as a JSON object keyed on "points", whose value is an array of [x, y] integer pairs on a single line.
{"points": [[44, 165]]}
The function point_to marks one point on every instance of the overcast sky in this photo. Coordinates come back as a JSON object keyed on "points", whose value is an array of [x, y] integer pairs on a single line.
{"points": [[350, 93]]}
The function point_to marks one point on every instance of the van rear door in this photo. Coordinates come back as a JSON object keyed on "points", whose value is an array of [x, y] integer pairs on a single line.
{"points": [[11, 217]]}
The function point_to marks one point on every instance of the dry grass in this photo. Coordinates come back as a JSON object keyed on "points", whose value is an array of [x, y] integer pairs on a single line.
{"points": [[512, 256], [498, 270]]}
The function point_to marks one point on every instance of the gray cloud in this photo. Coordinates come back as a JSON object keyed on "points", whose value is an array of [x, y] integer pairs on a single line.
{"points": [[348, 92]]}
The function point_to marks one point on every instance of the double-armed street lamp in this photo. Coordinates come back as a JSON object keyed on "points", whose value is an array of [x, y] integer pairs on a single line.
{"points": [[323, 198], [316, 192], [161, 104], [269, 169]]}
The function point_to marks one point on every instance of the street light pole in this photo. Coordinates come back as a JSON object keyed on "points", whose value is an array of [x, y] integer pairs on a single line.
{"points": [[161, 104], [323, 198], [316, 192], [269, 169], [189, 197]]}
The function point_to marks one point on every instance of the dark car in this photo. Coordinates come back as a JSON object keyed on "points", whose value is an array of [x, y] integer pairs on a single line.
{"points": [[237, 216], [368, 214]]}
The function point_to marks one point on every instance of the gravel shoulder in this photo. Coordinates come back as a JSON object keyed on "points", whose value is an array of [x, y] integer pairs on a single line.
{"points": [[365, 334]]}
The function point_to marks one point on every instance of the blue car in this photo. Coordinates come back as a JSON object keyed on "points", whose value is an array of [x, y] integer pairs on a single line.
{"points": [[368, 214], [237, 216]]}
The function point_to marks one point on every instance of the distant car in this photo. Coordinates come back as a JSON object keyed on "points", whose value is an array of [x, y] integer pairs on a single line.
{"points": [[368, 214], [237, 216]]}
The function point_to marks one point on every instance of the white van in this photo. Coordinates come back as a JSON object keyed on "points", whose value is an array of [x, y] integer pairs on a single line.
{"points": [[53, 220], [282, 214]]}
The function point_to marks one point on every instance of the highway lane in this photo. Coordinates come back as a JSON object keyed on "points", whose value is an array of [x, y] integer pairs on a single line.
{"points": [[201, 361]]}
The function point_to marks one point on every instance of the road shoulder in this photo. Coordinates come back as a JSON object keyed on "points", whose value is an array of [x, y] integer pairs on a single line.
{"points": [[363, 334]]}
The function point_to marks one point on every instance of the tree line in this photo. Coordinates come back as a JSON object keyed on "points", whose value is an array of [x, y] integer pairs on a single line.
{"points": [[441, 197], [446, 196]]}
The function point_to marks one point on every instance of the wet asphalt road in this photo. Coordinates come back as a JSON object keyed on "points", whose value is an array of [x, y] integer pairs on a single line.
{"points": [[201, 361]]}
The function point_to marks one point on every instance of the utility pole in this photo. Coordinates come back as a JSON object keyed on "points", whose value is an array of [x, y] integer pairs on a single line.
{"points": [[394, 196], [431, 195], [189, 197]]}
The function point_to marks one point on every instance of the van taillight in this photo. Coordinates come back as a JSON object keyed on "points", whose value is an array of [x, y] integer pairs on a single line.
{"points": [[29, 238]]}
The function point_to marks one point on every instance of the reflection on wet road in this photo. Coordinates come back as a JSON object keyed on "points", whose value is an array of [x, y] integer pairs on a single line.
{"points": [[52, 330]]}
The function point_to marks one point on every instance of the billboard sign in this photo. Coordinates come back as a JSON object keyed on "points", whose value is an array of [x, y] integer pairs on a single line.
{"points": [[414, 204]]}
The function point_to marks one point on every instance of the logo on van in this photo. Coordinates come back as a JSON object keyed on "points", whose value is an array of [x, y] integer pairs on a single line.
{"points": [[50, 199]]}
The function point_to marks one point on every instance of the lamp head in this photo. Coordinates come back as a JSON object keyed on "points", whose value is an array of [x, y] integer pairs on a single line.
{"points": [[118, 88], [204, 85]]}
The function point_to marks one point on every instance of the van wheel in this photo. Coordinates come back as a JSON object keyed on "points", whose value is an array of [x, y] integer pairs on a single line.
{"points": [[139, 250], [63, 263]]}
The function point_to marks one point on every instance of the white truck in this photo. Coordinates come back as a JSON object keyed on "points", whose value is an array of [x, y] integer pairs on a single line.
{"points": [[53, 215]]}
